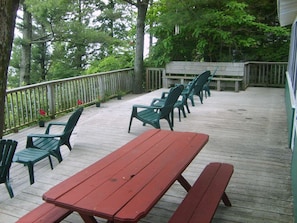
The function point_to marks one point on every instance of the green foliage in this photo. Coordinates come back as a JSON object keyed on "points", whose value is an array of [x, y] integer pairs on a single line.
{"points": [[112, 62], [211, 30], [94, 36], [74, 36]]}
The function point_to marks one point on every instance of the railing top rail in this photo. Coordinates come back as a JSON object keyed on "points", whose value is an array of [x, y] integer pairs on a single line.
{"points": [[23, 104], [156, 68], [66, 79], [263, 62]]}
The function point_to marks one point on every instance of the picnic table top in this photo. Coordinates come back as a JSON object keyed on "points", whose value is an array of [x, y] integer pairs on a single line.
{"points": [[126, 184]]}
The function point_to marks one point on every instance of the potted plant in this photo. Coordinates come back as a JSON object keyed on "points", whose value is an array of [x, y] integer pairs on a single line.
{"points": [[98, 102], [119, 94], [41, 119], [79, 103]]}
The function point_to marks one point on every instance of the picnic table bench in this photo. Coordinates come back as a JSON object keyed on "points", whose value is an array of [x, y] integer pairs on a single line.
{"points": [[202, 200], [45, 213]]}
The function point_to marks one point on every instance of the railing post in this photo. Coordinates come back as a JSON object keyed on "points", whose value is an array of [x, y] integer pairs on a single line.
{"points": [[101, 87], [246, 75], [51, 100], [164, 79]]}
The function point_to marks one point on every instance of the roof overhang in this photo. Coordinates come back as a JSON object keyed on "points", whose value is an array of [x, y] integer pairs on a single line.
{"points": [[287, 11]]}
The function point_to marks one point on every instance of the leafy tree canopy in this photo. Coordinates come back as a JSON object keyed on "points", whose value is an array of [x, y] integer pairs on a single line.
{"points": [[67, 38], [211, 30], [85, 36]]}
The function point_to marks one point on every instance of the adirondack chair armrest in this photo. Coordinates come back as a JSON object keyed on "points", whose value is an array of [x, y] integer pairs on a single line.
{"points": [[57, 123], [156, 100], [186, 91], [44, 135], [52, 124], [31, 136], [135, 107], [146, 106], [164, 95]]}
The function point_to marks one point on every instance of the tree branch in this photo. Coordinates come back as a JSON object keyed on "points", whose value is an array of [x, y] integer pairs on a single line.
{"points": [[130, 2]]}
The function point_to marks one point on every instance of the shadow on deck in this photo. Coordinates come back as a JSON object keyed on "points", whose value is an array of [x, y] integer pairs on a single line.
{"points": [[247, 129]]}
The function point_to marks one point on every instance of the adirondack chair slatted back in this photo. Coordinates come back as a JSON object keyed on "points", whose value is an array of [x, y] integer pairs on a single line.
{"points": [[202, 79], [189, 88], [7, 150], [53, 142], [171, 99], [198, 88], [206, 85], [72, 121]]}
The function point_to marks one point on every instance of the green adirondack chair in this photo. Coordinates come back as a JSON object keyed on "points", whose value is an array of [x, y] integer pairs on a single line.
{"points": [[206, 88], [7, 150], [198, 88], [152, 114], [52, 142], [180, 104]]}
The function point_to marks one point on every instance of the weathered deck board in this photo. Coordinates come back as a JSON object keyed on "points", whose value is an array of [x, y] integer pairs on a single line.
{"points": [[247, 129]]}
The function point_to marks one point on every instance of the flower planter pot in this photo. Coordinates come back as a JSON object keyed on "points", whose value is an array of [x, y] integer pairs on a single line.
{"points": [[98, 104], [41, 123]]}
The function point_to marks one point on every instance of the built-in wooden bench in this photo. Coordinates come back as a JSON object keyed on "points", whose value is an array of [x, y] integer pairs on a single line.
{"points": [[202, 200], [227, 74], [47, 213], [236, 80]]}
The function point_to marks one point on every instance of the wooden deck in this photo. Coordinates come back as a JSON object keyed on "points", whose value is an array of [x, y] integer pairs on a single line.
{"points": [[247, 129]]}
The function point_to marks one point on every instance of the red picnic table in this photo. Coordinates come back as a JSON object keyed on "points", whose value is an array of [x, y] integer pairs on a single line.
{"points": [[126, 184]]}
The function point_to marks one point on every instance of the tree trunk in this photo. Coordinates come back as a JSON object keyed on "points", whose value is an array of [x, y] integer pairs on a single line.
{"points": [[138, 62], [8, 9], [80, 48], [26, 48], [151, 37], [43, 62], [111, 6]]}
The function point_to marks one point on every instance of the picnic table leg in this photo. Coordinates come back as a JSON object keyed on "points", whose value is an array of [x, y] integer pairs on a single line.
{"points": [[226, 200], [88, 219], [184, 183]]}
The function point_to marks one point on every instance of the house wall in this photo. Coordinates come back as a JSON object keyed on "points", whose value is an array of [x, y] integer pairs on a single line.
{"points": [[290, 108], [294, 177], [291, 89]]}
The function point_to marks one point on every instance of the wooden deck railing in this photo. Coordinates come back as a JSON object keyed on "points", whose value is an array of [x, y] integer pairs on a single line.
{"points": [[265, 74], [23, 104], [55, 97], [154, 78]]}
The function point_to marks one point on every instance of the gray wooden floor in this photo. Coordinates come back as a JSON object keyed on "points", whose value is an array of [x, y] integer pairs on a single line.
{"points": [[247, 129]]}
